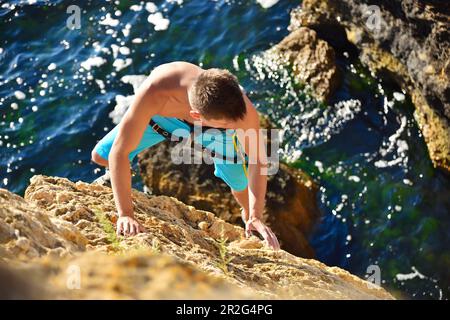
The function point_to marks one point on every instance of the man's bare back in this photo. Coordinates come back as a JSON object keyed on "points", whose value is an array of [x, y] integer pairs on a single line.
{"points": [[174, 79]]}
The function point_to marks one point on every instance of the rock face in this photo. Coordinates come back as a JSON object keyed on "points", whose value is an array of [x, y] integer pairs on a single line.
{"points": [[407, 40], [28, 232], [291, 203], [312, 60], [72, 252]]}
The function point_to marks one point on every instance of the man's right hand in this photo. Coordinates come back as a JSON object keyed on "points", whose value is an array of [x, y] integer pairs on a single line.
{"points": [[128, 226]]}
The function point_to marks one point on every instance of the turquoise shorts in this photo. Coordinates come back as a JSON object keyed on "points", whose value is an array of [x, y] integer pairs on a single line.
{"points": [[221, 142]]}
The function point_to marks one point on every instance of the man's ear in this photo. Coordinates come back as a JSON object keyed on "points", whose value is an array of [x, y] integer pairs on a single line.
{"points": [[195, 114]]}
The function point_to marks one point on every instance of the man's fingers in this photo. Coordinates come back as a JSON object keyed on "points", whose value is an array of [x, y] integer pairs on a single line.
{"points": [[274, 243], [130, 228], [251, 226], [277, 243], [248, 228], [136, 228], [126, 228], [273, 240], [119, 229], [265, 234], [268, 236], [133, 229]]}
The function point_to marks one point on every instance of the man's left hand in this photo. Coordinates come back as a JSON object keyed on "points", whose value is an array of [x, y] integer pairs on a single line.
{"points": [[257, 225]]}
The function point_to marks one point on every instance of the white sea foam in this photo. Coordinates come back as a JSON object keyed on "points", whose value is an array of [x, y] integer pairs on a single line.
{"points": [[134, 80], [151, 7], [65, 44], [19, 95], [319, 166], [120, 64], [126, 30], [92, 62], [136, 7], [100, 84], [159, 22], [109, 21], [51, 66], [394, 148], [115, 50], [124, 102], [98, 48], [338, 208], [399, 96], [354, 178], [122, 105], [407, 182], [410, 276], [124, 50]]}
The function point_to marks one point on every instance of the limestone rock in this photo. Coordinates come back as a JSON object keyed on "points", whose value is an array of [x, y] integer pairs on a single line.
{"points": [[312, 59], [27, 231], [173, 253]]}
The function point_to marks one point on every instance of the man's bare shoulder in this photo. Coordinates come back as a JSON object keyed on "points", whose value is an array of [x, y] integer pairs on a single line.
{"points": [[251, 118], [169, 76]]}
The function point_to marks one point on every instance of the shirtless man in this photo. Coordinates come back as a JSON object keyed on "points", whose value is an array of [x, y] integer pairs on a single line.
{"points": [[177, 95]]}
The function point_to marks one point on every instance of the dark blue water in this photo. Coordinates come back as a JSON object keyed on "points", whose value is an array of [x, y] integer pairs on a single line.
{"points": [[382, 201]]}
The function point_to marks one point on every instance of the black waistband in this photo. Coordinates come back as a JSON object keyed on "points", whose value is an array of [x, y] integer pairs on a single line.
{"points": [[168, 135], [191, 126], [204, 128]]}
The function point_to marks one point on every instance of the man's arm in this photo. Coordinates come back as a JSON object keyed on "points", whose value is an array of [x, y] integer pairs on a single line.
{"points": [[255, 148], [257, 182], [147, 102]]}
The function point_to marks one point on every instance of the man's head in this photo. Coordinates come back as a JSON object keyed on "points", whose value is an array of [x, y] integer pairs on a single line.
{"points": [[216, 98]]}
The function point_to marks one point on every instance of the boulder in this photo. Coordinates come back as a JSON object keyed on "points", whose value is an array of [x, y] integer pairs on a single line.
{"points": [[312, 60]]}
